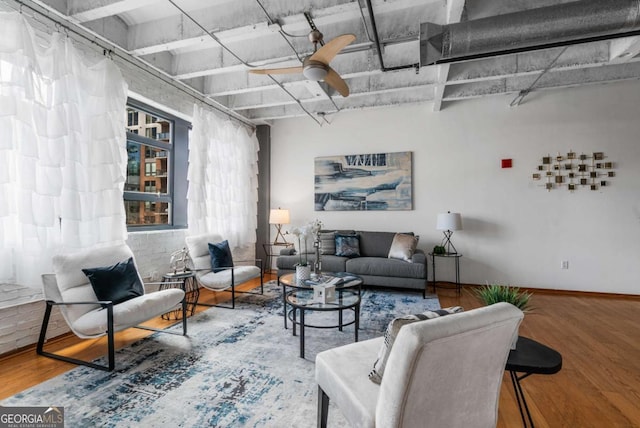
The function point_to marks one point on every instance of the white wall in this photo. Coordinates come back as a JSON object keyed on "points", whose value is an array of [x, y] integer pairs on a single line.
{"points": [[515, 231]]}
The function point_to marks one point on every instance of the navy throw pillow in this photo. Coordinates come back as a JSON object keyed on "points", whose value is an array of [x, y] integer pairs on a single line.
{"points": [[220, 256], [347, 245], [116, 283]]}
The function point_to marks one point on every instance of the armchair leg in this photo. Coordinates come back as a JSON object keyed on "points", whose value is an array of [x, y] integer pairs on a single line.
{"points": [[184, 315], [110, 341], [233, 296], [323, 408]]}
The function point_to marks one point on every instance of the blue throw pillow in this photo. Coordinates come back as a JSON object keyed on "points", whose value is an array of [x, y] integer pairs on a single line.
{"points": [[116, 283], [220, 256], [347, 245]]}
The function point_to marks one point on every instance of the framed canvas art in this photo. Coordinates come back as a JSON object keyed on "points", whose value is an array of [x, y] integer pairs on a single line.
{"points": [[364, 182]]}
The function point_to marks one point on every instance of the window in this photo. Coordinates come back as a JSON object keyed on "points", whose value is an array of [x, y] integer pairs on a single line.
{"points": [[157, 150]]}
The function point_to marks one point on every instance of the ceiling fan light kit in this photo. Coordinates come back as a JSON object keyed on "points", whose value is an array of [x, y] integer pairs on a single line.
{"points": [[314, 70]]}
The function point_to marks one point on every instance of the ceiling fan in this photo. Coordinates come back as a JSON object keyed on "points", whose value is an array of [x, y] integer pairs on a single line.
{"points": [[316, 66]]}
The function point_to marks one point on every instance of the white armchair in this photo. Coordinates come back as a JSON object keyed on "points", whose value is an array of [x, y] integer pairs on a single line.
{"points": [[229, 277], [70, 290], [444, 372]]}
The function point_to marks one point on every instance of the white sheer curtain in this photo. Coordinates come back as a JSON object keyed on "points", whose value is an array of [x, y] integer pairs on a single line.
{"points": [[62, 151], [223, 179]]}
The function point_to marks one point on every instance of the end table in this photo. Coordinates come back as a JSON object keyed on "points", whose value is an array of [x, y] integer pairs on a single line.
{"points": [[186, 281], [530, 357], [272, 250], [454, 256]]}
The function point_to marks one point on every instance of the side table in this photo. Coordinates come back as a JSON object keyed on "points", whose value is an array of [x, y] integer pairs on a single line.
{"points": [[456, 257], [530, 357], [272, 250], [186, 281]]}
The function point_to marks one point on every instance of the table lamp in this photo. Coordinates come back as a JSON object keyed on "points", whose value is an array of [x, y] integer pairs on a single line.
{"points": [[448, 222], [278, 218]]}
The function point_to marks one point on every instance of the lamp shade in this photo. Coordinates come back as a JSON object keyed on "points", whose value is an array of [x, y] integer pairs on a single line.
{"points": [[449, 221], [279, 216]]}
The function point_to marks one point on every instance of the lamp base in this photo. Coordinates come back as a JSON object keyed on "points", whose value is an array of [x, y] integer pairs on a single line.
{"points": [[447, 244], [279, 235]]}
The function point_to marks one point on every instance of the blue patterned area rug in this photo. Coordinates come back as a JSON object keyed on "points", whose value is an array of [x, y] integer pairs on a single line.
{"points": [[236, 368]]}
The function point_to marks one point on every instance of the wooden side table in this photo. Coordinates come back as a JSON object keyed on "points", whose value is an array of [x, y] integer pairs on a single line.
{"points": [[456, 257], [186, 281]]}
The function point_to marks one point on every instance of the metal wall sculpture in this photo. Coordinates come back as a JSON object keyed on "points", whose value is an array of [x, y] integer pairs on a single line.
{"points": [[574, 171], [364, 182]]}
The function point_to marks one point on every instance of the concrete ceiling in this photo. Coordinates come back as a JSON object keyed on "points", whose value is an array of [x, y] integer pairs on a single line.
{"points": [[259, 33]]}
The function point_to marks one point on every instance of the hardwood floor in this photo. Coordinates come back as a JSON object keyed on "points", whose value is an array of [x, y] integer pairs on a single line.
{"points": [[597, 335]]}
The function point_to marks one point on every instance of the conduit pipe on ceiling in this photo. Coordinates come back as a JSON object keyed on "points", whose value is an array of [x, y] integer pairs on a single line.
{"points": [[535, 29]]}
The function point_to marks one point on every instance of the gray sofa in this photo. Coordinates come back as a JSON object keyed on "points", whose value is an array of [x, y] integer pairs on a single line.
{"points": [[373, 264]]}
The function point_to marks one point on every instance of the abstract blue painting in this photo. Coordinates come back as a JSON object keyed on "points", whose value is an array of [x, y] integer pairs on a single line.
{"points": [[364, 182]]}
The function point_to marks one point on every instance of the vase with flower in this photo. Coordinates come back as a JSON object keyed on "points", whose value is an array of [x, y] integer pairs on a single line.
{"points": [[303, 270]]}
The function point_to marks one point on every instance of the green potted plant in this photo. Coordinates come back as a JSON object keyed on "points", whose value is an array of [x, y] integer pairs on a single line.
{"points": [[494, 293]]}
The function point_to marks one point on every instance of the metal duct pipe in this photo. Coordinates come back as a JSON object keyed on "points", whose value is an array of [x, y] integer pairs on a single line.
{"points": [[534, 29]]}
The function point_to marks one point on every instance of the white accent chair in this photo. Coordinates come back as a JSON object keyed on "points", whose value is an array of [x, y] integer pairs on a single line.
{"points": [[228, 278], [70, 290], [444, 372]]}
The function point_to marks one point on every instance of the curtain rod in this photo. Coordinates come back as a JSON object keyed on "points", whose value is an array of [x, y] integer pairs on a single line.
{"points": [[113, 50]]}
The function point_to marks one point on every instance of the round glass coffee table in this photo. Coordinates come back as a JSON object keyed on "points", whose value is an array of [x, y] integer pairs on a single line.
{"points": [[347, 280], [302, 301]]}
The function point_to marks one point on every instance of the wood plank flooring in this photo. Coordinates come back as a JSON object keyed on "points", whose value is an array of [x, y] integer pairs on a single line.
{"points": [[597, 335]]}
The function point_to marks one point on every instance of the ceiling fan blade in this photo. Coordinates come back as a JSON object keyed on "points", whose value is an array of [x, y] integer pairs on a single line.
{"points": [[334, 80], [287, 70], [330, 50]]}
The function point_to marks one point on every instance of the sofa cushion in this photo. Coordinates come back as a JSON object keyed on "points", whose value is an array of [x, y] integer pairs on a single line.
{"points": [[333, 263], [376, 266], [328, 243], [375, 244], [329, 263], [116, 283], [403, 247], [392, 332], [347, 245]]}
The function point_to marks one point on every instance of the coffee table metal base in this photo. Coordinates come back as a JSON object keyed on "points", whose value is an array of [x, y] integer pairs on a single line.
{"points": [[289, 280], [300, 301]]}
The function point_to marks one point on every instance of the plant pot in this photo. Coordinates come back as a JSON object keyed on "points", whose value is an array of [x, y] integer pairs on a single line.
{"points": [[303, 272]]}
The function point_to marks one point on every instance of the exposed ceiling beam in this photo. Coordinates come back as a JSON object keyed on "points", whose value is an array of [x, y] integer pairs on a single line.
{"points": [[556, 79], [624, 50], [89, 10], [455, 8]]}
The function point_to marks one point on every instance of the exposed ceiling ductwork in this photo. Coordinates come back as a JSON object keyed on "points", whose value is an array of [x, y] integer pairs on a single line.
{"points": [[204, 49], [534, 29]]}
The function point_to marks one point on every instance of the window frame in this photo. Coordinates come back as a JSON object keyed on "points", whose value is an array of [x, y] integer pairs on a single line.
{"points": [[177, 165]]}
